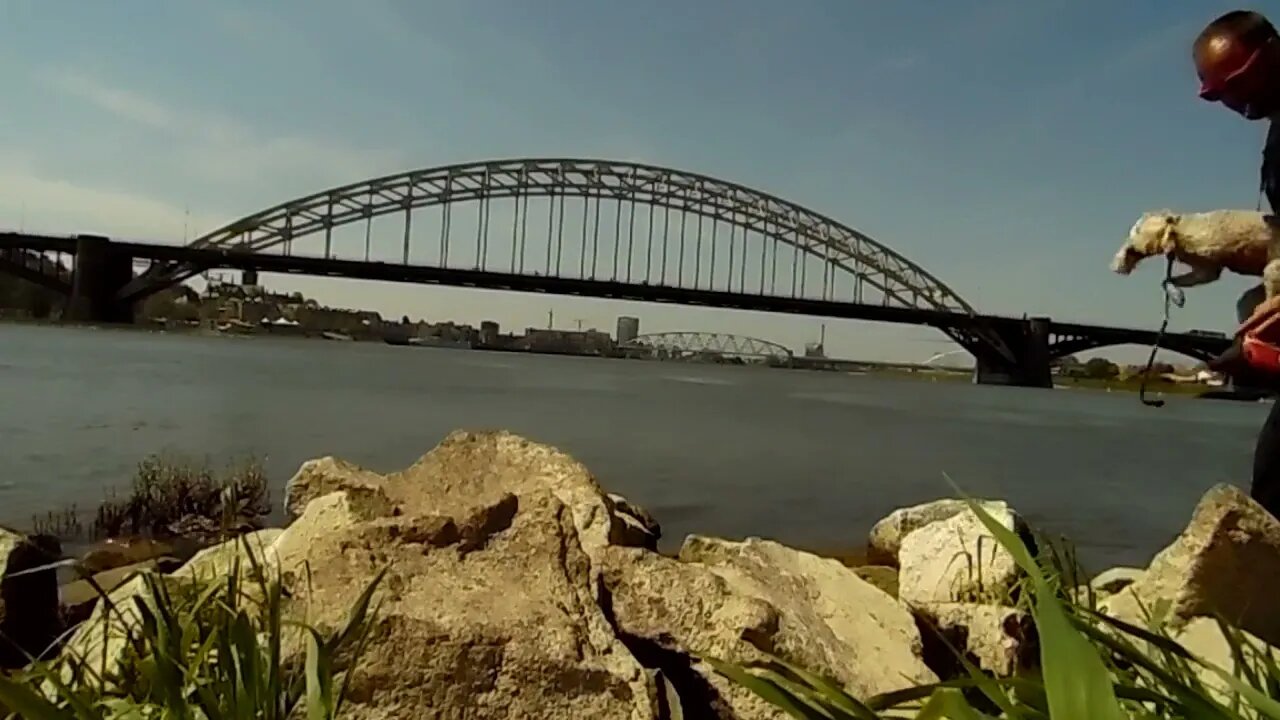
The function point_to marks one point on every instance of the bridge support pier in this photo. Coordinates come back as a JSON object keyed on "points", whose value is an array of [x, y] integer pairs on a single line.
{"points": [[1029, 342], [100, 273]]}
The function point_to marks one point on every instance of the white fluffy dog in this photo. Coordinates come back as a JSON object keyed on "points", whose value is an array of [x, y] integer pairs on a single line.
{"points": [[1245, 242]]}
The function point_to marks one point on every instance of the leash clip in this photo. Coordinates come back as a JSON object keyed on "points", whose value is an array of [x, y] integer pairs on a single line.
{"points": [[1173, 293]]}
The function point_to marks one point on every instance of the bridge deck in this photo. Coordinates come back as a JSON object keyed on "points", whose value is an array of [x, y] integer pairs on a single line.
{"points": [[491, 280]]}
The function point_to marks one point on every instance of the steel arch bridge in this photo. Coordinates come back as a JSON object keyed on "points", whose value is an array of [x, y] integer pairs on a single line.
{"points": [[687, 343], [773, 246]]}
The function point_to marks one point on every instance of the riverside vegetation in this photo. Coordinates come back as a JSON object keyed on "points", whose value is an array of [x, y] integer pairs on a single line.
{"points": [[495, 578]]}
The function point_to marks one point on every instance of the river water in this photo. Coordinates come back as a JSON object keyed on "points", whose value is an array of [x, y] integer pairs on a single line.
{"points": [[808, 458]]}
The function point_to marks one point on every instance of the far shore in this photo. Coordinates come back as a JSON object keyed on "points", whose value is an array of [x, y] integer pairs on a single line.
{"points": [[1155, 388]]}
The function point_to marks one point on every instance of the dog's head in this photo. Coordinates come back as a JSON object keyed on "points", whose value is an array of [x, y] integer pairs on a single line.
{"points": [[1151, 235]]}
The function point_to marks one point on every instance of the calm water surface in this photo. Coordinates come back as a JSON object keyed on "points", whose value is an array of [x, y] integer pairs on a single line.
{"points": [[808, 458]]}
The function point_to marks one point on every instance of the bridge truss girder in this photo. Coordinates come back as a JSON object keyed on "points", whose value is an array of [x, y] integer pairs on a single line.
{"points": [[724, 344], [36, 268]]}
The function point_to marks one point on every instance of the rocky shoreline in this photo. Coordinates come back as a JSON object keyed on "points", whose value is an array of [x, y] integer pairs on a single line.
{"points": [[516, 586]]}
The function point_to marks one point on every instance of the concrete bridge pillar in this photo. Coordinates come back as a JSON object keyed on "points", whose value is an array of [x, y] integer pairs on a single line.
{"points": [[100, 273], [1029, 342]]}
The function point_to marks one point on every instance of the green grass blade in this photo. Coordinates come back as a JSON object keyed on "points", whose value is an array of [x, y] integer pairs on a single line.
{"points": [[766, 690], [319, 679], [949, 704], [832, 694], [1077, 682], [31, 706], [1266, 706], [806, 694], [1177, 695], [80, 705], [359, 612], [245, 642]]}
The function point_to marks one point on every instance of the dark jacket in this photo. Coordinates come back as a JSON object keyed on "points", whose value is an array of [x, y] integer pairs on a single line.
{"points": [[1271, 167], [1231, 361]]}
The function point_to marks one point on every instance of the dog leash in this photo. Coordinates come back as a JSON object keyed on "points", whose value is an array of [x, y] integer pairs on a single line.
{"points": [[1173, 295]]}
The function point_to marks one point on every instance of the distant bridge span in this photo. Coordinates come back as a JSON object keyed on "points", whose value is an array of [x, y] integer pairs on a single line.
{"points": [[682, 343]]}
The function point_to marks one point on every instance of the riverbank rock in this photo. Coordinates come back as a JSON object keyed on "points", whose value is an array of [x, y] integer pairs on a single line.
{"points": [[886, 536], [1226, 561], [732, 600], [30, 619], [1000, 640], [472, 468], [79, 597], [881, 576], [643, 529], [1203, 638], [1113, 580], [491, 613], [321, 476], [115, 553], [958, 560], [491, 602]]}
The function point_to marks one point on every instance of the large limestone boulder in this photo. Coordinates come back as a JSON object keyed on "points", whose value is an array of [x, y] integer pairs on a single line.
{"points": [[958, 560], [30, 619], [491, 613], [321, 476], [887, 535], [1226, 561], [491, 602], [475, 468], [731, 600]]}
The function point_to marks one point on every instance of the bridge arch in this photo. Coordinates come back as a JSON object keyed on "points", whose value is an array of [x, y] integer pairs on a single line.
{"points": [[1201, 349], [901, 280], [874, 273], [694, 343]]}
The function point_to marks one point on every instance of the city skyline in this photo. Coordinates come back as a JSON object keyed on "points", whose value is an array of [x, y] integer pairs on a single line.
{"points": [[984, 145]]}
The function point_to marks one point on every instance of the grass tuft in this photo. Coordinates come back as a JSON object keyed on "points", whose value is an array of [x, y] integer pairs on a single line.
{"points": [[171, 496], [223, 649]]}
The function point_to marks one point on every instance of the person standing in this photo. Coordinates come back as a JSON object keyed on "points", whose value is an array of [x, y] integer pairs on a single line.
{"points": [[1237, 58]]}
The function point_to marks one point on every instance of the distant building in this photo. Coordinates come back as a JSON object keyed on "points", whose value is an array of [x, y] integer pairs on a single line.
{"points": [[580, 342], [488, 333], [628, 329]]}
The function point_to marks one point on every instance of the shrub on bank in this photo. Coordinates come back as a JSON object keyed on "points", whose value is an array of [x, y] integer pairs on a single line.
{"points": [[171, 496], [1091, 667]]}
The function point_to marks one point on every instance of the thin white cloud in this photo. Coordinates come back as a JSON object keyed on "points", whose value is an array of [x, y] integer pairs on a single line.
{"points": [[221, 148], [116, 101], [40, 203]]}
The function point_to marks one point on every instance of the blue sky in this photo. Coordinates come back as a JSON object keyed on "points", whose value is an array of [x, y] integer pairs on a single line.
{"points": [[1006, 146]]}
